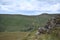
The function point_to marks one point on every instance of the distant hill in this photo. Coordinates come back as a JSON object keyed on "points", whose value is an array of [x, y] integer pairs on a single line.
{"points": [[13, 23]]}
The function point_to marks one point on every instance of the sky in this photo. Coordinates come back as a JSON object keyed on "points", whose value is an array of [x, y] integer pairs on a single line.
{"points": [[29, 7]]}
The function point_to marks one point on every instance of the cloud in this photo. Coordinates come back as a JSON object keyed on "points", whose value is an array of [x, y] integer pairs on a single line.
{"points": [[51, 8], [29, 7]]}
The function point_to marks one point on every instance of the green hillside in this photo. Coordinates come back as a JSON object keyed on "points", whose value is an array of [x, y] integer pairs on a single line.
{"points": [[13, 23], [21, 27]]}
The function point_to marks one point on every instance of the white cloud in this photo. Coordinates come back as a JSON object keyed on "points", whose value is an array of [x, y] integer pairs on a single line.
{"points": [[42, 6], [51, 8]]}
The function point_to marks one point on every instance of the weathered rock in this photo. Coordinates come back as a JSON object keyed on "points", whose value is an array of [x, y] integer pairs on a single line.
{"points": [[51, 24]]}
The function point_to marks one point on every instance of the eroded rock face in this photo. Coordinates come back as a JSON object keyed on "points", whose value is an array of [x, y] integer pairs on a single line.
{"points": [[51, 24], [57, 21]]}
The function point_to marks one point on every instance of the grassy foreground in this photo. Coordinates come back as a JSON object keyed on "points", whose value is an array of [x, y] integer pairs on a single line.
{"points": [[12, 35], [55, 35]]}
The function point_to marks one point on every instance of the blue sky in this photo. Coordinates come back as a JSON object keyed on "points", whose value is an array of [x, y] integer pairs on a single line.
{"points": [[29, 7]]}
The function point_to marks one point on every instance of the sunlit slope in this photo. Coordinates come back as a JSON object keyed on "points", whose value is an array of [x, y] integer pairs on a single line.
{"points": [[54, 35], [13, 23], [13, 35]]}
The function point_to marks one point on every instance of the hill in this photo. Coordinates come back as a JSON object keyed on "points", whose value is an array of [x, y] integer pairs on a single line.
{"points": [[20, 27], [13, 23]]}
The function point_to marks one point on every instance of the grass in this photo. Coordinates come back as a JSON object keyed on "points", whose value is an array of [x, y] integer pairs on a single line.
{"points": [[27, 36], [18, 27], [12, 35], [13, 23]]}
